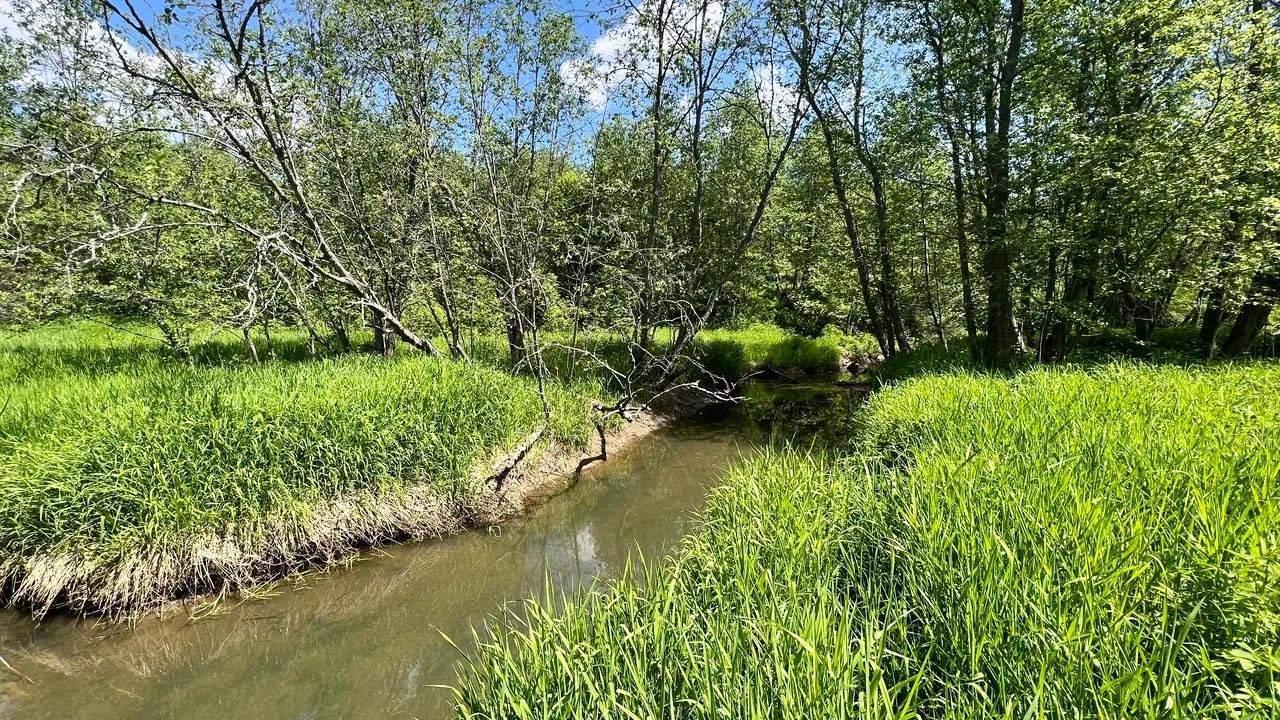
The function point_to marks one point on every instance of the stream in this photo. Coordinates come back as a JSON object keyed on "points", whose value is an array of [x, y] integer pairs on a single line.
{"points": [[366, 639]]}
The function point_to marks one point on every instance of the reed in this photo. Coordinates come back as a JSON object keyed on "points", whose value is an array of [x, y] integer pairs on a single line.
{"points": [[1057, 544], [127, 477]]}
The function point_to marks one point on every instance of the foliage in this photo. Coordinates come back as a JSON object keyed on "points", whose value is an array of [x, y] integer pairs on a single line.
{"points": [[1055, 543], [735, 353]]}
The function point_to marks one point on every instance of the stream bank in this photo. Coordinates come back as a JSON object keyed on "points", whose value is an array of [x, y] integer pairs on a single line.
{"points": [[365, 640]]}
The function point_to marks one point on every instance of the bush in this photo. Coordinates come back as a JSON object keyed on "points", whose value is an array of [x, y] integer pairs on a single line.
{"points": [[734, 353]]}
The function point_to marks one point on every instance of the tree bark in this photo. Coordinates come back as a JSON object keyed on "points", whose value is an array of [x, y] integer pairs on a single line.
{"points": [[1264, 289], [997, 260], [1214, 309]]}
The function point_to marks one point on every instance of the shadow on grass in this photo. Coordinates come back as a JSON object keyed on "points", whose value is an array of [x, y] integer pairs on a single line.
{"points": [[1179, 346]]}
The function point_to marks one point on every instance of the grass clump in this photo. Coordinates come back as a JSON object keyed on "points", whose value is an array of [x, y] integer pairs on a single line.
{"points": [[736, 352], [1061, 543], [126, 477]]}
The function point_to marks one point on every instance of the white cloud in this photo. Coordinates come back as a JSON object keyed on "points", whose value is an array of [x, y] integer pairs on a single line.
{"points": [[619, 55], [608, 63], [9, 26], [773, 92]]}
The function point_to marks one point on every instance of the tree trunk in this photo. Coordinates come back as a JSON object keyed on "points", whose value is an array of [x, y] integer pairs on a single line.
{"points": [[1214, 308], [517, 354], [935, 38], [1249, 322], [384, 341], [888, 283], [997, 260], [1254, 314], [247, 336], [850, 225], [1049, 319], [930, 299]]}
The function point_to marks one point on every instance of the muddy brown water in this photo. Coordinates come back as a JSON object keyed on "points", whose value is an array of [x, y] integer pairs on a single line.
{"points": [[367, 640]]}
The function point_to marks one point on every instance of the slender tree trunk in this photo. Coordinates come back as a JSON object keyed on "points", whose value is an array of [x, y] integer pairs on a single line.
{"points": [[384, 341], [247, 335], [883, 337], [997, 260], [946, 110], [644, 329], [888, 281], [516, 350], [929, 296], [1049, 318]]}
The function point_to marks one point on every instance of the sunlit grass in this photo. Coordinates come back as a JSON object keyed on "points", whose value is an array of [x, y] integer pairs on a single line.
{"points": [[110, 449], [1062, 543], [735, 352]]}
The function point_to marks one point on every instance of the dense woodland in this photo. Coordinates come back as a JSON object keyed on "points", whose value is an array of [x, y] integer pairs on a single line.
{"points": [[1003, 176]]}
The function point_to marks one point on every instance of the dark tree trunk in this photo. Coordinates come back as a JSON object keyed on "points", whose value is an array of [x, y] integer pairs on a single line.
{"points": [[997, 260], [1050, 317], [1144, 318], [1249, 322], [1254, 314], [516, 351], [1212, 319], [1214, 308], [344, 339], [384, 342], [1076, 290]]}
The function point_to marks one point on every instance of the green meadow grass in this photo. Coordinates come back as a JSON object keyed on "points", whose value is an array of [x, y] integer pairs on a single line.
{"points": [[110, 450], [1061, 543], [736, 352], [729, 352]]}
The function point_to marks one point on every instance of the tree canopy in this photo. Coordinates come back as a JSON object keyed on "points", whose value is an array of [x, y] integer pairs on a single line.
{"points": [[1005, 175]]}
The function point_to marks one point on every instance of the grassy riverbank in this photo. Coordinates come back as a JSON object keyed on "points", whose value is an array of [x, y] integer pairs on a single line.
{"points": [[760, 347], [127, 476], [1060, 543], [729, 352]]}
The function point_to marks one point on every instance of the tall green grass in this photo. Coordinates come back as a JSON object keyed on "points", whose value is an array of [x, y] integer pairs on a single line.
{"points": [[736, 352], [1059, 544], [729, 352], [111, 452]]}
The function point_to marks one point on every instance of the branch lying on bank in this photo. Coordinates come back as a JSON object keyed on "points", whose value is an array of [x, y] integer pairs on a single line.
{"points": [[504, 467]]}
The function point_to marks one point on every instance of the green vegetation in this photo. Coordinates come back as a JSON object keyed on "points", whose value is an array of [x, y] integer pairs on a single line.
{"points": [[127, 477], [1060, 543], [760, 346], [751, 176]]}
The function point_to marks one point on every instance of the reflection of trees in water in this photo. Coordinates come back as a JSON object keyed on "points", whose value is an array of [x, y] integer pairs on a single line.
{"points": [[567, 557], [802, 416]]}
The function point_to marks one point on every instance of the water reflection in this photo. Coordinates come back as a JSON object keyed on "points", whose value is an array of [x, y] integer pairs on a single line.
{"points": [[365, 641]]}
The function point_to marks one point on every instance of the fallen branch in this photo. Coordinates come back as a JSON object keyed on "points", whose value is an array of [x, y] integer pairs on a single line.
{"points": [[504, 467]]}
